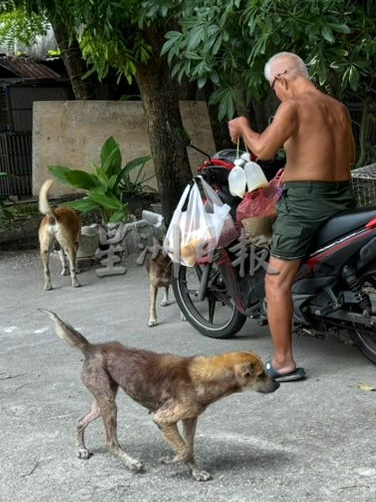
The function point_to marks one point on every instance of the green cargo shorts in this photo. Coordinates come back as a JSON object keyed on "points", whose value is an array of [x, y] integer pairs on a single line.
{"points": [[303, 208]]}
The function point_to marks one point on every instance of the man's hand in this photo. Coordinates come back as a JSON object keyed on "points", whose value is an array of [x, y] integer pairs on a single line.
{"points": [[237, 127]]}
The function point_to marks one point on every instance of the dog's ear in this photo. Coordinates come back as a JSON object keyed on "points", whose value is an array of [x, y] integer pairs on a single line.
{"points": [[244, 372]]}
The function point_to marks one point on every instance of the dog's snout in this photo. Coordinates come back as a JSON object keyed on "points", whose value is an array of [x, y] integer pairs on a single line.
{"points": [[267, 384]]}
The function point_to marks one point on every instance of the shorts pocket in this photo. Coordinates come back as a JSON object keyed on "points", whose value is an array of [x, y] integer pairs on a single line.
{"points": [[291, 242]]}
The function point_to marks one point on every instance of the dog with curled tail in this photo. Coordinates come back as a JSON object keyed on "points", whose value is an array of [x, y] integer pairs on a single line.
{"points": [[174, 389], [61, 225]]}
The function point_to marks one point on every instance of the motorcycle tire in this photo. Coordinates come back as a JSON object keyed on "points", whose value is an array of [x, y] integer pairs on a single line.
{"points": [[366, 341], [216, 315]]}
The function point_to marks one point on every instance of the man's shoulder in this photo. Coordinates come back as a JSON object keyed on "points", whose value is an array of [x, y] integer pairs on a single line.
{"points": [[313, 99]]}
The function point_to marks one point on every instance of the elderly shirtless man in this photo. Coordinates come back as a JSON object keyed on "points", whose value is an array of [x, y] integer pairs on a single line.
{"points": [[315, 131]]}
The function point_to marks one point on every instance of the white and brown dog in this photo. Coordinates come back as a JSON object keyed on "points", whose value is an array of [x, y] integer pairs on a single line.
{"points": [[62, 225], [173, 388]]}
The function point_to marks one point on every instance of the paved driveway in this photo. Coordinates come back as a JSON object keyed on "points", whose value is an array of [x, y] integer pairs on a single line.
{"points": [[310, 441]]}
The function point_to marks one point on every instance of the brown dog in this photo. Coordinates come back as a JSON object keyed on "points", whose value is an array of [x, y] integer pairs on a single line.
{"points": [[159, 271], [173, 388], [63, 225]]}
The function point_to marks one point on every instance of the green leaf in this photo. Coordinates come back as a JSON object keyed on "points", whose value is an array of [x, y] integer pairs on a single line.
{"points": [[119, 216], [196, 37], [123, 177], [108, 146], [353, 78], [341, 28], [105, 201], [135, 163], [110, 157], [326, 32], [59, 172], [201, 82], [81, 179], [73, 177], [172, 39], [82, 205]]}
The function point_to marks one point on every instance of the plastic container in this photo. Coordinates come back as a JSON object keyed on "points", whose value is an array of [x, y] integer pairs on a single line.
{"points": [[237, 181], [255, 177]]}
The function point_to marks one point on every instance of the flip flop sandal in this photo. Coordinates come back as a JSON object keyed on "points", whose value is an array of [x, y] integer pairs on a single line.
{"points": [[297, 374]]}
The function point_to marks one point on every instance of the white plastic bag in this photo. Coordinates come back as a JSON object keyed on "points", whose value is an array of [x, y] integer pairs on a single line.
{"points": [[255, 176], [237, 181], [195, 227], [226, 231], [246, 175]]}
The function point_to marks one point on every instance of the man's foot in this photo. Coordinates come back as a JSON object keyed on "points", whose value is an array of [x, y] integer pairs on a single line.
{"points": [[297, 374]]}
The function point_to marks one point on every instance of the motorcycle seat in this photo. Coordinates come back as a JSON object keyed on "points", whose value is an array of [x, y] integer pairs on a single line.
{"points": [[343, 223]]}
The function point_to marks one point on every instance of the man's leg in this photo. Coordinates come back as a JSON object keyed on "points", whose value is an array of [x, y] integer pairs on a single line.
{"points": [[280, 311]]}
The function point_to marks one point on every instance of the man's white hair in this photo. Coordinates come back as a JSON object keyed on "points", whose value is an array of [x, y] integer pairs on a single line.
{"points": [[293, 64]]}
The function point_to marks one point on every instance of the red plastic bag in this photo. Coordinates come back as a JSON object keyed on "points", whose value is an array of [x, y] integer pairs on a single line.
{"points": [[257, 210], [258, 203]]}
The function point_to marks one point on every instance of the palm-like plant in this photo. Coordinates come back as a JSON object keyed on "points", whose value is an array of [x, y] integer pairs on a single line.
{"points": [[104, 186]]}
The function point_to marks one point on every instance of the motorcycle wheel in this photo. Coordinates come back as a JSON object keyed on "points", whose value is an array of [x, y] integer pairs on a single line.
{"points": [[366, 341], [216, 315]]}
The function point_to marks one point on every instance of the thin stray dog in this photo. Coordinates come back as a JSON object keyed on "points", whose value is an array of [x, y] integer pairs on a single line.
{"points": [[159, 270], [61, 224], [172, 388]]}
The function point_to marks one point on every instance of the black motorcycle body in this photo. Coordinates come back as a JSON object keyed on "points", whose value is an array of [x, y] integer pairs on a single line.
{"points": [[334, 290]]}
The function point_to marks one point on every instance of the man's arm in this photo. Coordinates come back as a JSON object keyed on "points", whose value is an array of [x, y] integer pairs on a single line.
{"points": [[266, 144]]}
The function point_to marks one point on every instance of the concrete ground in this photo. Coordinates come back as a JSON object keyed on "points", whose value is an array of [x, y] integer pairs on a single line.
{"points": [[313, 440]]}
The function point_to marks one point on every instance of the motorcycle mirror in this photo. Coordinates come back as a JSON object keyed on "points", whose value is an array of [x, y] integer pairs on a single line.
{"points": [[180, 135]]}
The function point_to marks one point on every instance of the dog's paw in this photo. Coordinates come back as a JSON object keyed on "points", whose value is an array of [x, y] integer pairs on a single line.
{"points": [[152, 322], [135, 465], [200, 475], [83, 453], [165, 303], [169, 460]]}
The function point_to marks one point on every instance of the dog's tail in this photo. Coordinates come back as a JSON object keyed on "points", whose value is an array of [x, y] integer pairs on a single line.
{"points": [[44, 205], [67, 333]]}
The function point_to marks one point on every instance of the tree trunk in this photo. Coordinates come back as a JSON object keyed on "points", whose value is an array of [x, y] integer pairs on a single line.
{"points": [[73, 61], [364, 127], [159, 94]]}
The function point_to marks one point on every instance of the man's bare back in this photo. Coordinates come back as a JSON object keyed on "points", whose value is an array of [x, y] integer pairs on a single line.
{"points": [[321, 145], [313, 128]]}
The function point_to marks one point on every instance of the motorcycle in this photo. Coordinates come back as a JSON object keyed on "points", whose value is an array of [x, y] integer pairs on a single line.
{"points": [[334, 290]]}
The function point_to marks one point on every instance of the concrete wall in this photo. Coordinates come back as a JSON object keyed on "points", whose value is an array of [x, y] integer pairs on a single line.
{"points": [[71, 133]]}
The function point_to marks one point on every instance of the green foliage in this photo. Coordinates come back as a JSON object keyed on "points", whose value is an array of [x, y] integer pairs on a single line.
{"points": [[225, 44], [54, 53], [106, 184], [110, 36], [138, 185], [110, 33], [228, 44], [19, 26]]}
